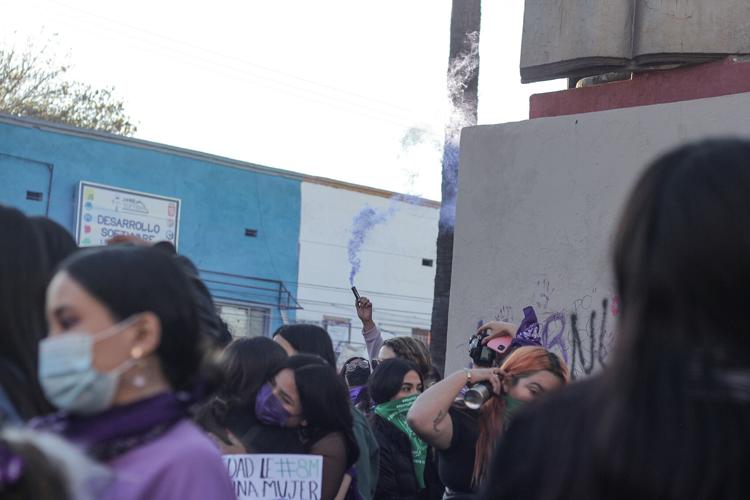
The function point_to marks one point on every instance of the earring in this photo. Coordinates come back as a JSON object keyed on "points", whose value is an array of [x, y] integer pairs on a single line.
{"points": [[139, 381]]}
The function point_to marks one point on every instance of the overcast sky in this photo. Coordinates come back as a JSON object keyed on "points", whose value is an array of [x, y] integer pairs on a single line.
{"points": [[326, 87]]}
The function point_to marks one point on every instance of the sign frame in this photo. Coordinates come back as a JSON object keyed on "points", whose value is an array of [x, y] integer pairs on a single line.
{"points": [[132, 192]]}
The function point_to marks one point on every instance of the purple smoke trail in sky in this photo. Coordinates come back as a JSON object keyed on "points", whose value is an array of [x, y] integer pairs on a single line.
{"points": [[364, 222], [460, 71]]}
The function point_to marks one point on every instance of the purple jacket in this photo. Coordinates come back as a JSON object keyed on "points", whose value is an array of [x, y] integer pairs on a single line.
{"points": [[183, 464]]}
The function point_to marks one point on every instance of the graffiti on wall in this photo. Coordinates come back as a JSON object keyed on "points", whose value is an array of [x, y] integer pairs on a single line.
{"points": [[582, 334]]}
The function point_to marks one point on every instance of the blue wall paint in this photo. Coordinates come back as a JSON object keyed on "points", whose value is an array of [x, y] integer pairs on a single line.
{"points": [[218, 202]]}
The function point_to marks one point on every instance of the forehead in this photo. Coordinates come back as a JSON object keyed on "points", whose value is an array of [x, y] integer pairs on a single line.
{"points": [[65, 291], [285, 381], [543, 378], [412, 377]]}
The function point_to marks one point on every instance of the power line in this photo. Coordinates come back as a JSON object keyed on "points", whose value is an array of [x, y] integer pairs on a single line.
{"points": [[234, 58], [351, 306], [382, 252], [238, 74]]}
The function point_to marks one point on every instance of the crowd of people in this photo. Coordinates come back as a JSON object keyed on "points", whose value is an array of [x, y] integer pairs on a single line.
{"points": [[118, 380]]}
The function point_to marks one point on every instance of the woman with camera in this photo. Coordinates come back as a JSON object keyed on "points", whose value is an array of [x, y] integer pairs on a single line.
{"points": [[464, 438]]}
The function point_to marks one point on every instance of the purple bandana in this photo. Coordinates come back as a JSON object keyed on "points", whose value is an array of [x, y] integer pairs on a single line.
{"points": [[105, 433], [11, 467], [528, 330], [354, 392]]}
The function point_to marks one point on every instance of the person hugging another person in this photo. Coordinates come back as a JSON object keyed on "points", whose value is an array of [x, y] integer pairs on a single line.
{"points": [[313, 340], [230, 417], [308, 395]]}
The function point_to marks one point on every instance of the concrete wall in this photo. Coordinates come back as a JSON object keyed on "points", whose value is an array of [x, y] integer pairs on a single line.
{"points": [[218, 202], [537, 207], [392, 274]]}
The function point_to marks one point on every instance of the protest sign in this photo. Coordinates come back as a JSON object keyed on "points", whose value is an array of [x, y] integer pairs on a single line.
{"points": [[274, 477]]}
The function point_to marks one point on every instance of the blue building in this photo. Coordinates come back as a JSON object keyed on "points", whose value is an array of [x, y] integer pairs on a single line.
{"points": [[238, 222]]}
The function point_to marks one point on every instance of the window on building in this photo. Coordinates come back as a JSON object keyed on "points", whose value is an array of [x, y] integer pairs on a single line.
{"points": [[246, 321], [339, 329], [427, 262], [422, 334]]}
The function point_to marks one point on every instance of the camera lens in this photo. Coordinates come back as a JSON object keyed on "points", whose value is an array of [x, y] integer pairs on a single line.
{"points": [[477, 395]]}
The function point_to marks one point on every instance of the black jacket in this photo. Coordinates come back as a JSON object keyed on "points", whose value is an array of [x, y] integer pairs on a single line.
{"points": [[397, 480]]}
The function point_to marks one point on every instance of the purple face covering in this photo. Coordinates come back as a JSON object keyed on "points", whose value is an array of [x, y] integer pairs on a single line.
{"points": [[268, 408], [354, 393]]}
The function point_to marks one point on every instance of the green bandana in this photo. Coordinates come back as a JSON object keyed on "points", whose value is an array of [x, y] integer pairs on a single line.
{"points": [[395, 413], [512, 405]]}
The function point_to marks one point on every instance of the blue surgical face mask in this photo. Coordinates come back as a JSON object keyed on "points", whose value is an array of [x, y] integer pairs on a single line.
{"points": [[67, 374]]}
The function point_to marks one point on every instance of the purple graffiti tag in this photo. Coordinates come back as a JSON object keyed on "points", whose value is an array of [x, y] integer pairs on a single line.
{"points": [[558, 339]]}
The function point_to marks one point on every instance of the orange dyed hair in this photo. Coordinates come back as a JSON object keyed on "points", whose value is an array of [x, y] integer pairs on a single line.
{"points": [[524, 361]]}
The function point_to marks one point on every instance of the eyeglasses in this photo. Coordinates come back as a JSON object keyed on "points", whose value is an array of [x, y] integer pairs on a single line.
{"points": [[357, 363]]}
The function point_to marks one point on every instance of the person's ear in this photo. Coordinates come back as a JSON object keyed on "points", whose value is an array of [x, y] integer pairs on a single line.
{"points": [[147, 335]]}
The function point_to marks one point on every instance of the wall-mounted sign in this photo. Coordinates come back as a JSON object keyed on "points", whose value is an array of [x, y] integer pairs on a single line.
{"points": [[106, 211]]}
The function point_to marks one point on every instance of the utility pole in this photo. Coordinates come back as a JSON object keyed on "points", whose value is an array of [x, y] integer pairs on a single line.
{"points": [[463, 86]]}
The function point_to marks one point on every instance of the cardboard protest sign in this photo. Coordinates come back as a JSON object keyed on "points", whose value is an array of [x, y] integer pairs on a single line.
{"points": [[274, 477]]}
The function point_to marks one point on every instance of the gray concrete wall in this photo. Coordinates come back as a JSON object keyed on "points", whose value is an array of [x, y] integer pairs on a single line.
{"points": [[537, 207]]}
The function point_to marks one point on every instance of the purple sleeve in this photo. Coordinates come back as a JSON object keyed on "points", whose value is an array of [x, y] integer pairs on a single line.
{"points": [[195, 478], [374, 341]]}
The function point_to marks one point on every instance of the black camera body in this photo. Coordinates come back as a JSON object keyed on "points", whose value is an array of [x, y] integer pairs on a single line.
{"points": [[483, 356]]}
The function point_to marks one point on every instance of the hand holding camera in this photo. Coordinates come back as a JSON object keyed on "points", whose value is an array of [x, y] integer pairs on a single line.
{"points": [[495, 329], [485, 382]]}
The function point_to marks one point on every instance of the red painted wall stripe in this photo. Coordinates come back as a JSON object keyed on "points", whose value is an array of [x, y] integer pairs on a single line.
{"points": [[725, 77]]}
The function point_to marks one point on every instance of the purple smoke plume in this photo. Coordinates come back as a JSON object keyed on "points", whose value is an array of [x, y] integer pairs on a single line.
{"points": [[363, 223]]}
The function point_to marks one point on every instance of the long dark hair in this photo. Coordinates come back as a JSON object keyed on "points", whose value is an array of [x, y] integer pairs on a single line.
{"points": [[246, 363], [56, 242], [388, 377], [130, 280], [325, 403], [309, 339], [22, 325], [670, 414]]}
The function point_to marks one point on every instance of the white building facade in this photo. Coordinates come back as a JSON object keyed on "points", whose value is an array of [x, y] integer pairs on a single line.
{"points": [[397, 270]]}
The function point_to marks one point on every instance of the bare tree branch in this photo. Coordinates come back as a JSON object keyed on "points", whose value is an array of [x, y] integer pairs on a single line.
{"points": [[33, 84]]}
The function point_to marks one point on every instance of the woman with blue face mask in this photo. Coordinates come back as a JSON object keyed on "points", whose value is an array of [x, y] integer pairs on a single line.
{"points": [[123, 361]]}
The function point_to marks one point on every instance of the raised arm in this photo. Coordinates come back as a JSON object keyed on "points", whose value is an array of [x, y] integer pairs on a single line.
{"points": [[429, 416], [370, 331]]}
